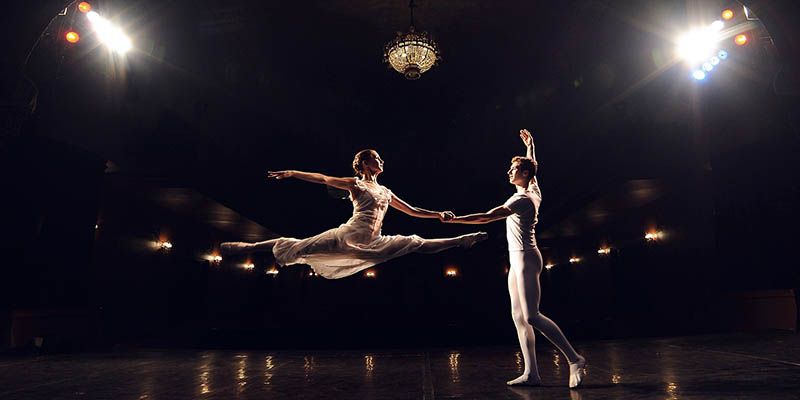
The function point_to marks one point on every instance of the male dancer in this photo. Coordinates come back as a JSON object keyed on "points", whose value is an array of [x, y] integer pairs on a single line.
{"points": [[520, 212]]}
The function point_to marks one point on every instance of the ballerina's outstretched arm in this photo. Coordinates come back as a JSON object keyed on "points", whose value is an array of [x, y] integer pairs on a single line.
{"points": [[406, 208], [348, 183], [492, 215]]}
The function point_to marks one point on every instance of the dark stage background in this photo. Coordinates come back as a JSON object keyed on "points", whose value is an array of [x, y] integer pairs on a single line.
{"points": [[172, 143]]}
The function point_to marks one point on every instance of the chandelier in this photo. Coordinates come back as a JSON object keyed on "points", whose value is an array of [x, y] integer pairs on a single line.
{"points": [[412, 53]]}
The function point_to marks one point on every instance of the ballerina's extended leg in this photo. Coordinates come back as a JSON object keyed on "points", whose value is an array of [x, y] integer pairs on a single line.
{"points": [[465, 241], [245, 247]]}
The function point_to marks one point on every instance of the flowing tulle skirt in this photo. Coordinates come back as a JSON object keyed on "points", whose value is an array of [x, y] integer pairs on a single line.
{"points": [[344, 251]]}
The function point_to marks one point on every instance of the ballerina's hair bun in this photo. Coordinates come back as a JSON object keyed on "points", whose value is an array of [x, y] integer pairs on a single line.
{"points": [[359, 158]]}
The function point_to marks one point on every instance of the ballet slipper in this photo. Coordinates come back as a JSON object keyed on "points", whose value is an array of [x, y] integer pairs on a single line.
{"points": [[525, 380], [577, 371]]}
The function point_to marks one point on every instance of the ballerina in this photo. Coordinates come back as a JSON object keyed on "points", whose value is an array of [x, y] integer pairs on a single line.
{"points": [[357, 244], [521, 212]]}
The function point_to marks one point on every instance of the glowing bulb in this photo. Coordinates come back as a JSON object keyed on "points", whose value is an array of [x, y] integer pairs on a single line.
{"points": [[248, 266], [370, 274], [717, 25], [451, 272], [714, 60], [722, 54], [654, 235], [604, 251], [740, 39], [549, 266], [272, 271], [727, 14], [574, 260], [707, 67], [697, 45], [72, 37], [109, 34], [84, 7], [699, 75]]}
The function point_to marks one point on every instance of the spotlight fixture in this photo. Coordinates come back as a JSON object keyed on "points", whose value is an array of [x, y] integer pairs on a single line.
{"points": [[574, 260], [164, 245], [451, 272], [272, 271], [603, 251], [84, 7], [370, 274], [740, 39], [550, 266], [249, 266]]}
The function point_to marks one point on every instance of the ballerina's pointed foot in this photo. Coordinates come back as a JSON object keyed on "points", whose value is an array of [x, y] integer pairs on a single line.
{"points": [[472, 238], [577, 371], [235, 247], [525, 380]]}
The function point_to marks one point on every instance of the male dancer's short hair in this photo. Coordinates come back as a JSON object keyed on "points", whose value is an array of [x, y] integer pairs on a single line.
{"points": [[526, 164]]}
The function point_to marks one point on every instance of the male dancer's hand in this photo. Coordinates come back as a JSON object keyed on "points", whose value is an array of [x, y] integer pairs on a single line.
{"points": [[446, 216], [526, 137], [280, 174]]}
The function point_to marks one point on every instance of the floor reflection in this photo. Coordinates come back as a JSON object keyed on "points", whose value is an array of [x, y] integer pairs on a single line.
{"points": [[369, 366], [454, 376], [241, 373], [268, 366]]}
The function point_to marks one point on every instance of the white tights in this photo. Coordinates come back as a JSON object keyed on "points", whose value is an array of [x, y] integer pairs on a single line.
{"points": [[525, 292]]}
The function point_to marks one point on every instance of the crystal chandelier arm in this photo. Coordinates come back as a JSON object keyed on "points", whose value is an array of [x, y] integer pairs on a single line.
{"points": [[411, 6]]}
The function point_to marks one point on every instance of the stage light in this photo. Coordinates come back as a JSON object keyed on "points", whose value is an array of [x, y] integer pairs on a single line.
{"points": [[697, 45], [722, 54], [714, 60], [108, 34], [654, 235], [574, 260], [272, 271], [699, 75], [604, 251], [84, 7], [369, 274], [164, 245], [717, 25], [451, 272], [72, 37], [249, 266], [707, 67], [727, 14], [96, 226], [740, 39], [549, 266]]}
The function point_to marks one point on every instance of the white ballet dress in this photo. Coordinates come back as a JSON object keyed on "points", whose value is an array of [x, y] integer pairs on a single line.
{"points": [[354, 245]]}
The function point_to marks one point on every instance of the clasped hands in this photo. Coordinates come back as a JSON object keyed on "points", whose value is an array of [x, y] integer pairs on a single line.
{"points": [[446, 216]]}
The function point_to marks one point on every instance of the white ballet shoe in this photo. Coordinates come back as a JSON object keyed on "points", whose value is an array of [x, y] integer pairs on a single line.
{"points": [[525, 380], [577, 371], [472, 238], [235, 247]]}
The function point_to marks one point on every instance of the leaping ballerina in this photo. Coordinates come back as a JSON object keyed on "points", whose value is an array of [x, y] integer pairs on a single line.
{"points": [[357, 244]]}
